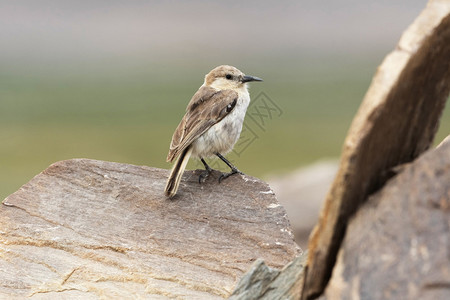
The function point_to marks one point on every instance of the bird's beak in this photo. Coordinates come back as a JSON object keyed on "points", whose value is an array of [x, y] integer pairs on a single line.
{"points": [[248, 78]]}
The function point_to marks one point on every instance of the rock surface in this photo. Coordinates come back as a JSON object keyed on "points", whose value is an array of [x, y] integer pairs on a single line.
{"points": [[396, 122], [398, 244], [264, 283], [85, 229]]}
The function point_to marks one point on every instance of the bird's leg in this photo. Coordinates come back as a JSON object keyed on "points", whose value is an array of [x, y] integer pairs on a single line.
{"points": [[234, 170], [205, 174]]}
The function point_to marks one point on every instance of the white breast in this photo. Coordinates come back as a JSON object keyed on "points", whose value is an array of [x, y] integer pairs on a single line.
{"points": [[222, 137]]}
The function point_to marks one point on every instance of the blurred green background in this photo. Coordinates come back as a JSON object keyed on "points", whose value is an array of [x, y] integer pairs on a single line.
{"points": [[110, 80]]}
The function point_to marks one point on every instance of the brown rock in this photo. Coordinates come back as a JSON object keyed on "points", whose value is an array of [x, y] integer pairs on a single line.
{"points": [[398, 244], [88, 229], [395, 124]]}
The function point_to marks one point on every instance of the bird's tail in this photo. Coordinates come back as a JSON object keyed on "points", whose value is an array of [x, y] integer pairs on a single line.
{"points": [[177, 171]]}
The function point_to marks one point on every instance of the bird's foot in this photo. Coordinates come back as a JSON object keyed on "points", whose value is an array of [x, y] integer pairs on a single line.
{"points": [[226, 175], [204, 175]]}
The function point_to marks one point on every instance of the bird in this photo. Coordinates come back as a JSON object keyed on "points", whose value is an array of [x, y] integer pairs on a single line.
{"points": [[211, 125]]}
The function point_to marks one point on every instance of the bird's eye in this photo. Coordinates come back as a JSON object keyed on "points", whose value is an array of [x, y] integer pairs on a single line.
{"points": [[228, 76]]}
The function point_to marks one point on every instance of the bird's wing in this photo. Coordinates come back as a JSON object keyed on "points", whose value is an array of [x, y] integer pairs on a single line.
{"points": [[206, 108]]}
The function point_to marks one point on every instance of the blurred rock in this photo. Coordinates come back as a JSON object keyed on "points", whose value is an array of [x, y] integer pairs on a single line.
{"points": [[397, 245], [86, 229], [302, 193], [395, 123]]}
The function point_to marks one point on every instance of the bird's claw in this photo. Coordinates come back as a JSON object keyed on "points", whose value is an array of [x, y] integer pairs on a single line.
{"points": [[226, 175], [202, 177]]}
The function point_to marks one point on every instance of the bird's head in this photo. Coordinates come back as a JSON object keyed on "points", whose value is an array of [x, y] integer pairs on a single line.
{"points": [[228, 77]]}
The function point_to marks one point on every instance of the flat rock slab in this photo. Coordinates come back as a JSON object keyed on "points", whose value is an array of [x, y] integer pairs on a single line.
{"points": [[88, 229]]}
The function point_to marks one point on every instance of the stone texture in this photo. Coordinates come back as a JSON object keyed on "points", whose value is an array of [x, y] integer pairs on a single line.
{"points": [[264, 283], [86, 229], [396, 122], [398, 244]]}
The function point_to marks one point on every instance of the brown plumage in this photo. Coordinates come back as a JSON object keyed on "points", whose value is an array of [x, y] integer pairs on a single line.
{"points": [[206, 108], [212, 122]]}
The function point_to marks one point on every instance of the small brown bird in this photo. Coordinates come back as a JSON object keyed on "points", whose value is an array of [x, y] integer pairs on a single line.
{"points": [[212, 123]]}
